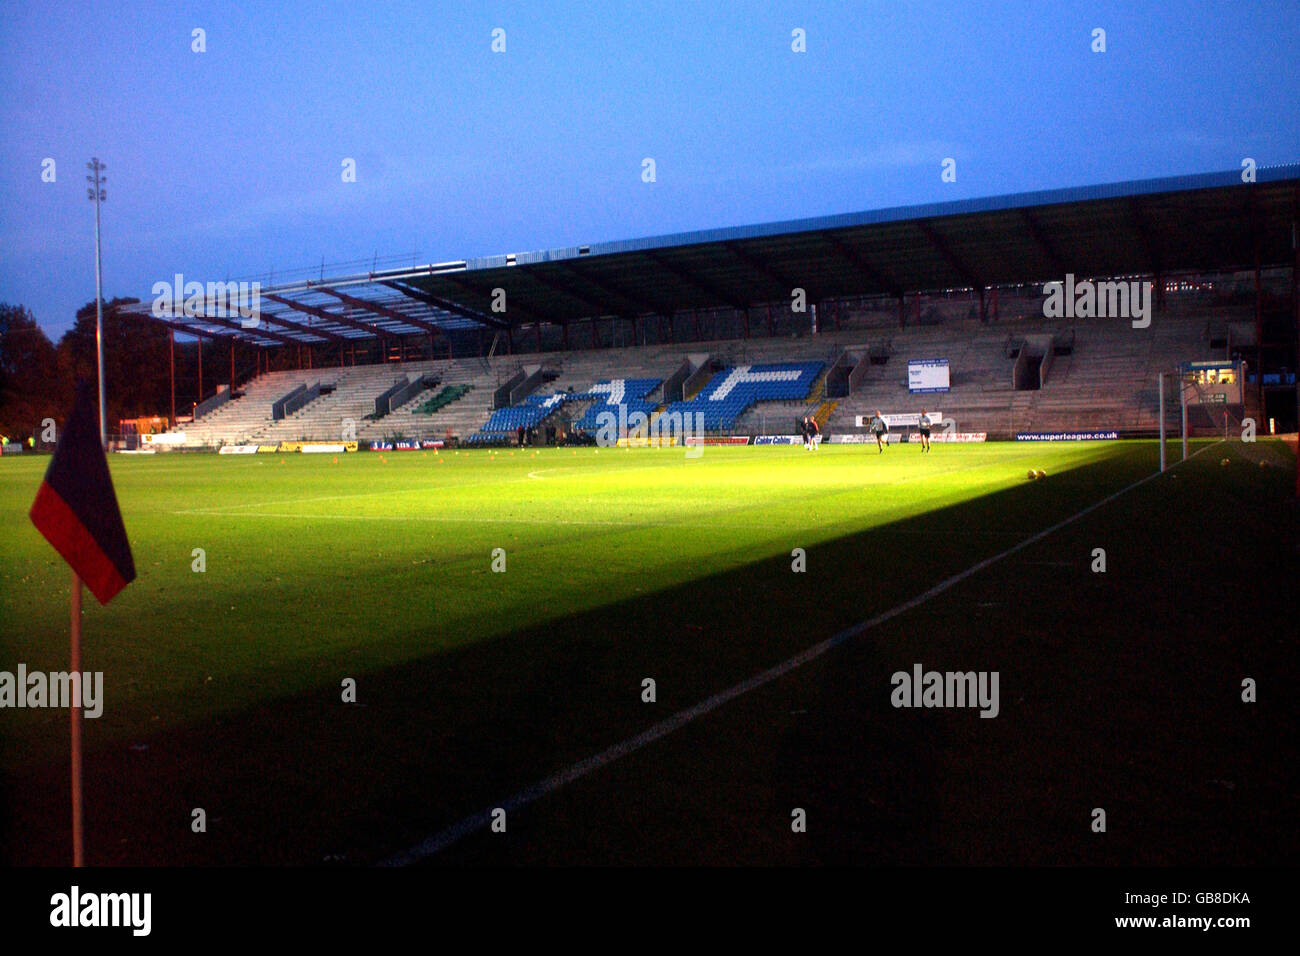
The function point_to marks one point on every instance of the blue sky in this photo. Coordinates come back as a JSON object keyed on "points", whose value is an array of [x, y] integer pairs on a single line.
{"points": [[227, 163]]}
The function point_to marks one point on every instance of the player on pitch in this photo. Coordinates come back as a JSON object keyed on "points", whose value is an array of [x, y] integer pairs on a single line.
{"points": [[878, 427], [923, 423]]}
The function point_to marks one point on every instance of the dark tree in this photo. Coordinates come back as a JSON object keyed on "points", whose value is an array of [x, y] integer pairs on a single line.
{"points": [[30, 389], [135, 361]]}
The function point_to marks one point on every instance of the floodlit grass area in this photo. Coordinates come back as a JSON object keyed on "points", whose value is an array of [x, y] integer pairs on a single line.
{"points": [[314, 567], [222, 688]]}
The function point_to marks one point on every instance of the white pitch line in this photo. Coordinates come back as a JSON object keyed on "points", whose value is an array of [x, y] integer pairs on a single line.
{"points": [[478, 821]]}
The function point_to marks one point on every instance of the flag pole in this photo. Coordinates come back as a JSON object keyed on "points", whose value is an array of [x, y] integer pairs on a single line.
{"points": [[77, 848]]}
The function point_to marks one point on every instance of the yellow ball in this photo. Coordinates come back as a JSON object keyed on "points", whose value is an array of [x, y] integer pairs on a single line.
{"points": [[1042, 474], [1032, 474]]}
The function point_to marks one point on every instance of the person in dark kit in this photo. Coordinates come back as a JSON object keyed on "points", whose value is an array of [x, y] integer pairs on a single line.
{"points": [[878, 427], [923, 423], [814, 434], [519, 434], [803, 432]]}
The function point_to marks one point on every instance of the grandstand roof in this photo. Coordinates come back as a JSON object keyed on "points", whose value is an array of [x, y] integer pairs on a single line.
{"points": [[1208, 223]]}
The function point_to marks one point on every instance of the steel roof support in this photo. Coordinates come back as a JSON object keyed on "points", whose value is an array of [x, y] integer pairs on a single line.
{"points": [[857, 260], [320, 313], [642, 304], [384, 310], [709, 288]]}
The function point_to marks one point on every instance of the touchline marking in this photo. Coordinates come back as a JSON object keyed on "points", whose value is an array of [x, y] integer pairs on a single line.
{"points": [[481, 820]]}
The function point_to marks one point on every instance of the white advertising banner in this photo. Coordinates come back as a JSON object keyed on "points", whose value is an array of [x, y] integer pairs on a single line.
{"points": [[839, 438], [314, 448], [910, 420], [943, 436]]}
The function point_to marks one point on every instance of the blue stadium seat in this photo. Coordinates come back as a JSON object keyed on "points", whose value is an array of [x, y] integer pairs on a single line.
{"points": [[733, 390], [605, 397]]}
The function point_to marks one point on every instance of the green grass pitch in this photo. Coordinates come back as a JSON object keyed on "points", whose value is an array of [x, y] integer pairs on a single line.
{"points": [[223, 687]]}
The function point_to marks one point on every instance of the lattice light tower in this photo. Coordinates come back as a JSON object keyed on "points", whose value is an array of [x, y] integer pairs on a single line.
{"points": [[97, 194]]}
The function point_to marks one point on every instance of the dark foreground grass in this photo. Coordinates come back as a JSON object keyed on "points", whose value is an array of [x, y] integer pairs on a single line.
{"points": [[223, 688]]}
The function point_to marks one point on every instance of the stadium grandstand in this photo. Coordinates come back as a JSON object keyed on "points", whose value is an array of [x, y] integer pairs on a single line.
{"points": [[756, 327]]}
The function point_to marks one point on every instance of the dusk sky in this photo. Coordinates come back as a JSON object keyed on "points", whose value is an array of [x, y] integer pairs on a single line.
{"points": [[228, 163]]}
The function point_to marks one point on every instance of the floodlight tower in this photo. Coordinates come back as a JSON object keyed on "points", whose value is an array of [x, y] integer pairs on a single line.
{"points": [[97, 195]]}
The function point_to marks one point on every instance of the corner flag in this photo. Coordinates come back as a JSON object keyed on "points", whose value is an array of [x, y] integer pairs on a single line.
{"points": [[77, 512], [76, 508]]}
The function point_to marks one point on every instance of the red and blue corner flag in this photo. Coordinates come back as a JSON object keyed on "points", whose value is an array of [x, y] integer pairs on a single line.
{"points": [[76, 508]]}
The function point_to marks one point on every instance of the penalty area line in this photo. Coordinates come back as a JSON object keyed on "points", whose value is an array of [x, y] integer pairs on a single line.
{"points": [[482, 819]]}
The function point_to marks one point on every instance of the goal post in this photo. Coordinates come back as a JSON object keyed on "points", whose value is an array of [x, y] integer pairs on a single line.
{"points": [[1198, 398], [1161, 384], [1207, 400], [1171, 395]]}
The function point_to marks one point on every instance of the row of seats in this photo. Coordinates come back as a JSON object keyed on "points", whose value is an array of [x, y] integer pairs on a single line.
{"points": [[445, 396], [733, 390], [604, 396], [527, 415], [609, 395]]}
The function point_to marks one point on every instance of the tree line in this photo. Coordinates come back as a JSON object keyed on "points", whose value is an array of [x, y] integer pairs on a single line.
{"points": [[38, 377]]}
